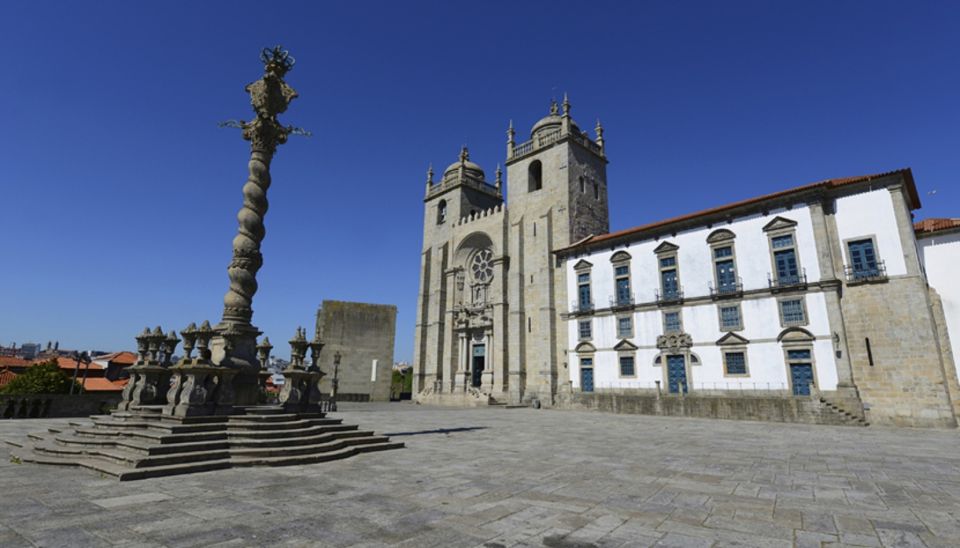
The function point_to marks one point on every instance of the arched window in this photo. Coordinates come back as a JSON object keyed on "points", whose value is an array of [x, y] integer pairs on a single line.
{"points": [[441, 212], [535, 176]]}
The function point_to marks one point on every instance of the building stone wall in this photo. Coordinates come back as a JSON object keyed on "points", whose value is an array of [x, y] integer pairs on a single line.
{"points": [[364, 336]]}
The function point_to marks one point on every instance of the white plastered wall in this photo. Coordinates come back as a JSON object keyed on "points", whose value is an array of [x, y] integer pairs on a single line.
{"points": [[871, 214], [940, 256], [760, 316]]}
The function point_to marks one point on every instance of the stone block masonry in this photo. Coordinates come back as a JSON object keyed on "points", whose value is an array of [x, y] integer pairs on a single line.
{"points": [[895, 353], [364, 336]]}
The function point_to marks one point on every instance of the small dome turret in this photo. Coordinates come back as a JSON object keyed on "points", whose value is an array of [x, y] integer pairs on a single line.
{"points": [[469, 167], [554, 120]]}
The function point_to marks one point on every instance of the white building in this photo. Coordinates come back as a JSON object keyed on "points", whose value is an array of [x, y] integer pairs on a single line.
{"points": [[818, 288]]}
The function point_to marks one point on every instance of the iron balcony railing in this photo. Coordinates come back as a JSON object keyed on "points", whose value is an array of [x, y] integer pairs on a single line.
{"points": [[872, 273], [669, 297], [577, 307], [734, 289], [621, 301], [787, 282]]}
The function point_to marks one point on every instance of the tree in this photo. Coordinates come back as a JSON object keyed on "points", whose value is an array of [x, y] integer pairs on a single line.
{"points": [[43, 378]]}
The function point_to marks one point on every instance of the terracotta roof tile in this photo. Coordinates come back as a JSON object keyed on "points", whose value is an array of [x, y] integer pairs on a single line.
{"points": [[66, 362], [824, 185], [6, 376], [928, 226], [10, 361], [101, 384], [120, 358]]}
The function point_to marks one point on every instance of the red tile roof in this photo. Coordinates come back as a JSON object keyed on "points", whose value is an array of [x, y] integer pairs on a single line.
{"points": [[827, 184], [101, 384], [66, 362], [6, 376], [928, 226], [120, 358], [10, 361]]}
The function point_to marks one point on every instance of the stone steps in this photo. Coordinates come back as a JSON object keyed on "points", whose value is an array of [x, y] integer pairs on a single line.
{"points": [[140, 444], [844, 416]]}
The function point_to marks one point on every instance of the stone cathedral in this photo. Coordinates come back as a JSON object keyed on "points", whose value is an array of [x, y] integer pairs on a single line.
{"points": [[491, 291]]}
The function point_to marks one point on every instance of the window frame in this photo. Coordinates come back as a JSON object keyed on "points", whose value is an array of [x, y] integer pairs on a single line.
{"points": [[589, 323], [879, 270], [620, 357], [739, 326], [720, 239], [661, 269], [679, 313], [773, 234], [803, 308], [746, 361], [629, 318], [619, 260]]}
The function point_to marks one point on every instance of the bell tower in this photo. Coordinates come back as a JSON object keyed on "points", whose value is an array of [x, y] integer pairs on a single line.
{"points": [[557, 195]]}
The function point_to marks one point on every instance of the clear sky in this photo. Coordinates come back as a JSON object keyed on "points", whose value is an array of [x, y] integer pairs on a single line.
{"points": [[119, 192]]}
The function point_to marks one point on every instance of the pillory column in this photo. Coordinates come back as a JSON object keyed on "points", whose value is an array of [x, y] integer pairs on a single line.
{"points": [[235, 344]]}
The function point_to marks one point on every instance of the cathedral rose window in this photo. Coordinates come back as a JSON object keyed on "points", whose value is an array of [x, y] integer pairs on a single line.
{"points": [[481, 266]]}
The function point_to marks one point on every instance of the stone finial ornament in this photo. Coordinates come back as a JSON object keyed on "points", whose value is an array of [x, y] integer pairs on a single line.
{"points": [[554, 109], [170, 346], [499, 180], [566, 105], [189, 340], [599, 131], [430, 175], [143, 346], [263, 352]]}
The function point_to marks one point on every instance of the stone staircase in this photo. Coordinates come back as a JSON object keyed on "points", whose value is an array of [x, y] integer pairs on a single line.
{"points": [[831, 413], [144, 444]]}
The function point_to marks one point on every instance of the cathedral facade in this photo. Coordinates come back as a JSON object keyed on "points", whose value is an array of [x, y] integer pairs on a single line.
{"points": [[491, 293], [817, 300]]}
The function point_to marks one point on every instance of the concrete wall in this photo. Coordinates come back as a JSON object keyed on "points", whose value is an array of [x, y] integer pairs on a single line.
{"points": [[364, 336]]}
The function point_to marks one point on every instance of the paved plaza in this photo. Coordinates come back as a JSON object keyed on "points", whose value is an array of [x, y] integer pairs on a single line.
{"points": [[498, 478]]}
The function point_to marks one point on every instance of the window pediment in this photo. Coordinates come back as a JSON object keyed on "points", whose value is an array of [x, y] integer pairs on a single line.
{"points": [[720, 235], [795, 334], [583, 264], [625, 346], [585, 348], [779, 223], [620, 257], [732, 339], [666, 247]]}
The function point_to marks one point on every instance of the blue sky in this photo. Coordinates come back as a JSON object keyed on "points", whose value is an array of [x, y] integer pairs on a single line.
{"points": [[119, 192]]}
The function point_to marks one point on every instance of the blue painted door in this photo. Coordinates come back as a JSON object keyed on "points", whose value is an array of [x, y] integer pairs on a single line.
{"points": [[668, 279], [726, 277], [802, 376], [787, 270], [863, 259], [586, 379], [676, 374]]}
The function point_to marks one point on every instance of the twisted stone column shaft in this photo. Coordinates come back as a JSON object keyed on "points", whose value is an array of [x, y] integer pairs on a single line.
{"points": [[247, 259]]}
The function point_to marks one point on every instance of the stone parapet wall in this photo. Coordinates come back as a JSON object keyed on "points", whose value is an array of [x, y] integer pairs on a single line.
{"points": [[734, 407], [56, 405]]}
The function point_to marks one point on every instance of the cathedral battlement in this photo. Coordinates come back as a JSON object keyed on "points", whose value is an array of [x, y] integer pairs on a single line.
{"points": [[496, 210]]}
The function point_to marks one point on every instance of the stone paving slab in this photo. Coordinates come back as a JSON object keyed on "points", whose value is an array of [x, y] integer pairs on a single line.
{"points": [[497, 478]]}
